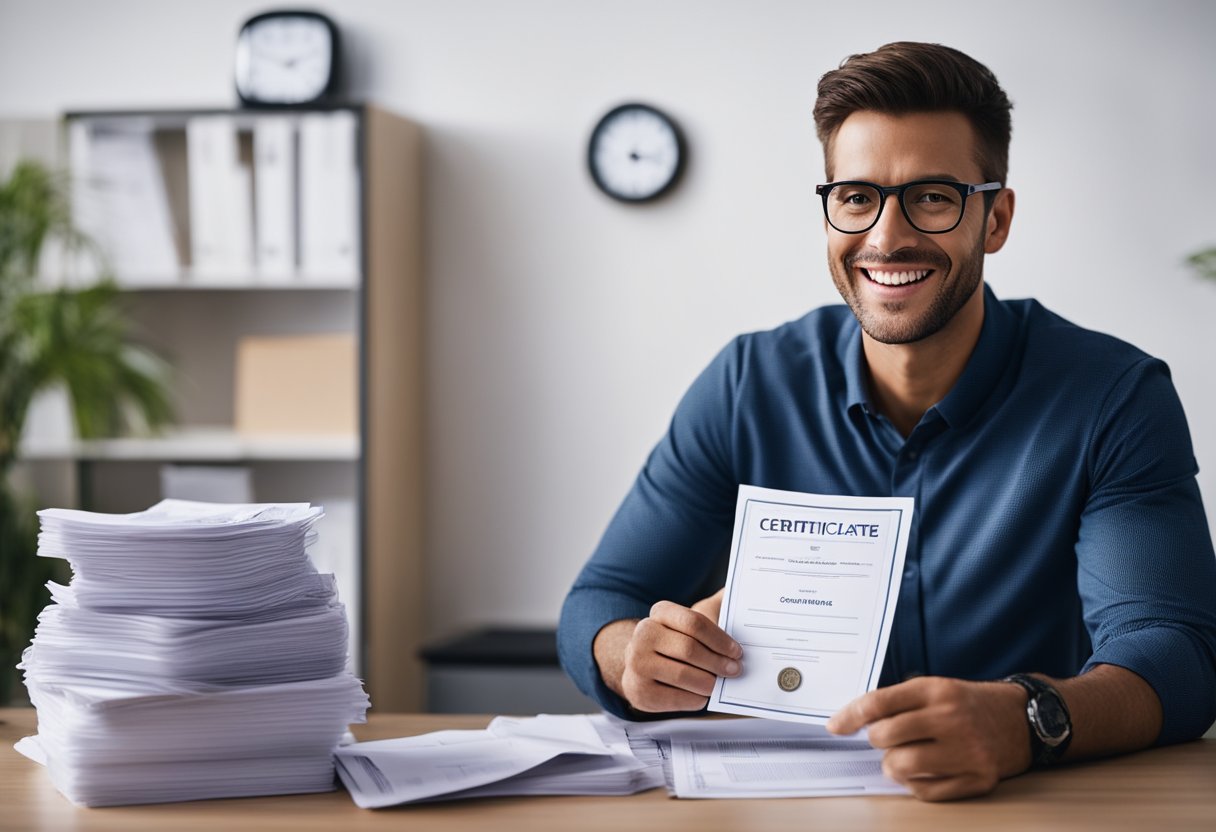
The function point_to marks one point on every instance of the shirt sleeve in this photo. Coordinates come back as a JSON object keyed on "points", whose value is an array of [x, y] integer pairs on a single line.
{"points": [[670, 534], [1146, 569]]}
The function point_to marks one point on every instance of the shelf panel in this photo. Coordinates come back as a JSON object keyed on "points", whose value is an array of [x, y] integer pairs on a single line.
{"points": [[200, 445], [190, 283]]}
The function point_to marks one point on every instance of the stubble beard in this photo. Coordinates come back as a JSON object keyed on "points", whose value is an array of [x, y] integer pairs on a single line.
{"points": [[891, 323]]}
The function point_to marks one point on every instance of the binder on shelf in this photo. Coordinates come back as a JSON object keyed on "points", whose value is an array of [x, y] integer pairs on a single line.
{"points": [[119, 199], [329, 197], [274, 174], [297, 384], [221, 201]]}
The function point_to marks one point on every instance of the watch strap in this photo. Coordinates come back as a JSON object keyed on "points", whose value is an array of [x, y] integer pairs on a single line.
{"points": [[1045, 750]]}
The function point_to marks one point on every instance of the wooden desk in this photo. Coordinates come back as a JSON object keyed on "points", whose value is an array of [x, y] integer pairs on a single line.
{"points": [[1161, 790]]}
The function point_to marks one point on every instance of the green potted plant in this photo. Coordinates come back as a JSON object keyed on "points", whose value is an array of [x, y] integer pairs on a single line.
{"points": [[1204, 262], [78, 339]]}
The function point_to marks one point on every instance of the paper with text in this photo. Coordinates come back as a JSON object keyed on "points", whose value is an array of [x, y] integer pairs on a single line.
{"points": [[810, 595]]}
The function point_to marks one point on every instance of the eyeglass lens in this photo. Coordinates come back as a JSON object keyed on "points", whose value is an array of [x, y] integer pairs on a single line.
{"points": [[929, 207]]}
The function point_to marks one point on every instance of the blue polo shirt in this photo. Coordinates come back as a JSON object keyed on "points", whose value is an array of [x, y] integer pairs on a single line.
{"points": [[1058, 523]]}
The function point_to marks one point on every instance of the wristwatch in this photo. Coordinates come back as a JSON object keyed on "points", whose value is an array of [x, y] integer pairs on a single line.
{"points": [[1048, 719]]}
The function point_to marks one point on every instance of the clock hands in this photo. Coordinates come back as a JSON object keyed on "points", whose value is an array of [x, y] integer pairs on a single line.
{"points": [[291, 61], [635, 153]]}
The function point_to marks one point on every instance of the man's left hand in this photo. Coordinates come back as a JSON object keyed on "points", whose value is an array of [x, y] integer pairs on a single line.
{"points": [[944, 738]]}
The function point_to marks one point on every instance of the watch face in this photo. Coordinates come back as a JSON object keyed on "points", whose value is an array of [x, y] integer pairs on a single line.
{"points": [[636, 153], [1049, 718], [285, 58]]}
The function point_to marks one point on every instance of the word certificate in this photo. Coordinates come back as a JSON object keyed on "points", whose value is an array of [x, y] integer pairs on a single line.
{"points": [[810, 595]]}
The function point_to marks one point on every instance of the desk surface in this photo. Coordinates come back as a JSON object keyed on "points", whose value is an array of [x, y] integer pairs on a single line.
{"points": [[1161, 789]]}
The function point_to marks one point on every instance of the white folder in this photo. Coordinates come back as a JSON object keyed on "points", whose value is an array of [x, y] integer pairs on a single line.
{"points": [[329, 197], [87, 214], [274, 175], [221, 202], [119, 199]]}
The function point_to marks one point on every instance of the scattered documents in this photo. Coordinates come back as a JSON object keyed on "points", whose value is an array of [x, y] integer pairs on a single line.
{"points": [[733, 758], [778, 768], [546, 754], [810, 595], [602, 755], [195, 654]]}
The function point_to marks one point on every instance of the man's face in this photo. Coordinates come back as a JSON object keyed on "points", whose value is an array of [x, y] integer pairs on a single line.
{"points": [[946, 269]]}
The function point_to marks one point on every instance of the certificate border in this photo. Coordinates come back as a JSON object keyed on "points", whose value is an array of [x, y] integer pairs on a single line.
{"points": [[885, 603]]}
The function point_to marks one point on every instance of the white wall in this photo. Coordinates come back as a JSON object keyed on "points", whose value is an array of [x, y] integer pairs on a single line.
{"points": [[564, 327]]}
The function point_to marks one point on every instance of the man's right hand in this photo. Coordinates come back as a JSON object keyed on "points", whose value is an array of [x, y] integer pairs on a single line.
{"points": [[670, 660]]}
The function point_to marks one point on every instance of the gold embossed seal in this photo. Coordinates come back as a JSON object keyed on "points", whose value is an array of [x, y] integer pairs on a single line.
{"points": [[789, 679]]}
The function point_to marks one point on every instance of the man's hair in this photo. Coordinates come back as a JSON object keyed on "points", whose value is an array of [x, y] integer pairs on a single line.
{"points": [[905, 77]]}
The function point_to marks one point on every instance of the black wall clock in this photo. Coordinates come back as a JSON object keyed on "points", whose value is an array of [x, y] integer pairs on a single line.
{"points": [[286, 59], [636, 153]]}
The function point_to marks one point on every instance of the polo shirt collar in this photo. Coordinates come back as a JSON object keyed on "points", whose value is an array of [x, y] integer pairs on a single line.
{"points": [[856, 374], [984, 368]]}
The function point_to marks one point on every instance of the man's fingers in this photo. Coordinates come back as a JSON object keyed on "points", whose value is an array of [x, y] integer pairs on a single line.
{"points": [[942, 738], [951, 788], [674, 657], [696, 625], [654, 697], [862, 711], [901, 729], [881, 704], [653, 637], [683, 677], [922, 761]]}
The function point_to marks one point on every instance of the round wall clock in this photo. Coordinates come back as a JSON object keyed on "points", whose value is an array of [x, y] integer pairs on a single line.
{"points": [[286, 59], [636, 153]]}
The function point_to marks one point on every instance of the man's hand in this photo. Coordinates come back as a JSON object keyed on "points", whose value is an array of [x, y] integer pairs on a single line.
{"points": [[670, 660], [944, 738]]}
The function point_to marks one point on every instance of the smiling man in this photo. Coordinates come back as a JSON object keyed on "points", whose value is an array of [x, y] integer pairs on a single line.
{"points": [[1056, 602]]}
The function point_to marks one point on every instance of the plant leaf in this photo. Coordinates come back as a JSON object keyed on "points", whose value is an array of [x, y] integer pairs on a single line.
{"points": [[1204, 262]]}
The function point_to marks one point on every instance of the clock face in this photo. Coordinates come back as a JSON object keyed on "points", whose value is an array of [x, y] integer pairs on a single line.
{"points": [[285, 58], [636, 153]]}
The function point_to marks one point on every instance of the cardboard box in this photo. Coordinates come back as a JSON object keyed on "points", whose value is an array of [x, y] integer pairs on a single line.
{"points": [[300, 384]]}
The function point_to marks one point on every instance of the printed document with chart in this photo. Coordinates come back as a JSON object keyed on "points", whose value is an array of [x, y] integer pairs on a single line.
{"points": [[810, 595]]}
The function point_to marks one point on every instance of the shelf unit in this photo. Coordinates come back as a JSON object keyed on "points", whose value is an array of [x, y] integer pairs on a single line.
{"points": [[198, 320]]}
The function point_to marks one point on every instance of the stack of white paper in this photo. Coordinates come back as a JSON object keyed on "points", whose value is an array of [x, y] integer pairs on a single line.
{"points": [[539, 755], [195, 654]]}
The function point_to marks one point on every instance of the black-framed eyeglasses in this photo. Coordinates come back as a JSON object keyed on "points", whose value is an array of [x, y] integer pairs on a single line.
{"points": [[931, 206]]}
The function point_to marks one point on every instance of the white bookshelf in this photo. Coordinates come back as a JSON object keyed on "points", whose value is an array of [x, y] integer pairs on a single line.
{"points": [[372, 476]]}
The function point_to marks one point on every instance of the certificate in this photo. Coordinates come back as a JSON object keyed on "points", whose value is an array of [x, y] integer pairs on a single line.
{"points": [[810, 596]]}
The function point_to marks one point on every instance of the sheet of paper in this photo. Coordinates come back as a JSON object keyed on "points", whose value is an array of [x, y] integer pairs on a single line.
{"points": [[733, 758], [810, 594], [564, 754]]}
